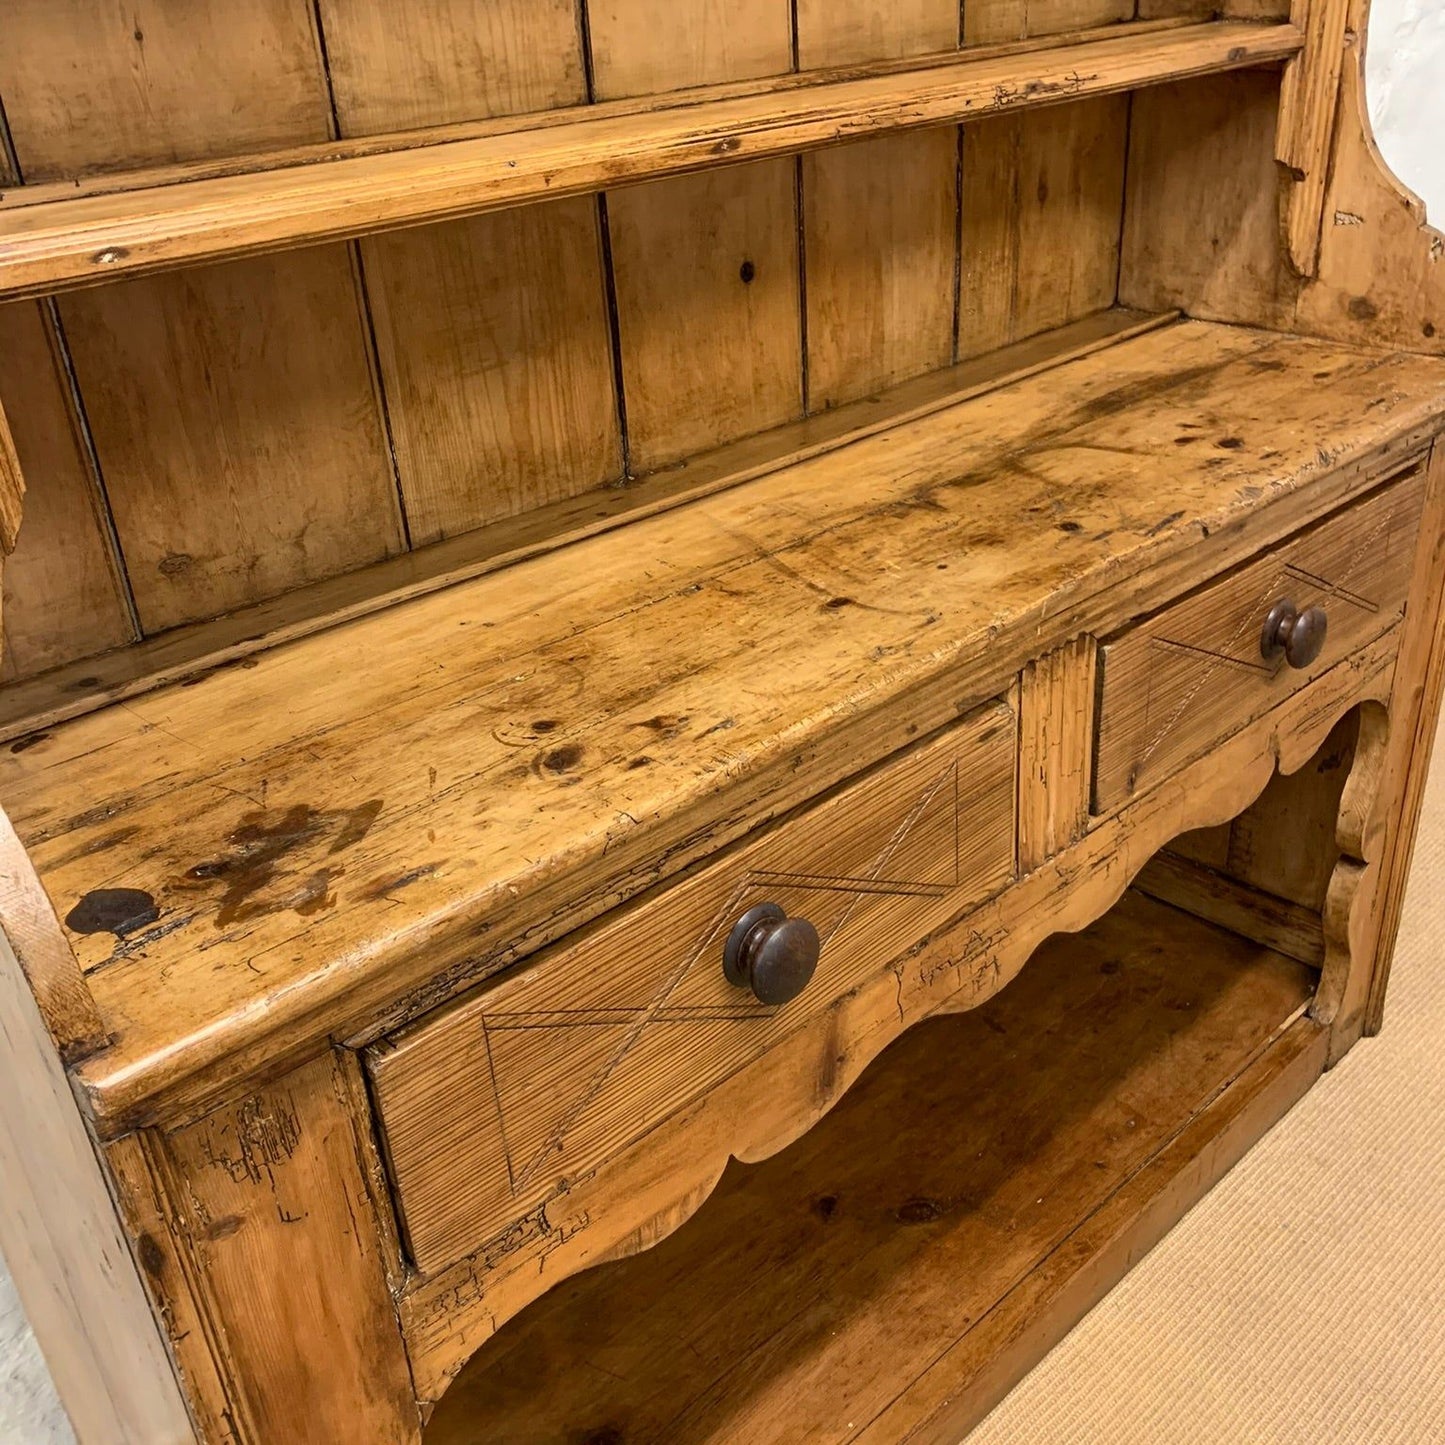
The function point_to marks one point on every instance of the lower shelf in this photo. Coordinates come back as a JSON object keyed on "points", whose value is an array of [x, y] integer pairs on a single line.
{"points": [[897, 1270]]}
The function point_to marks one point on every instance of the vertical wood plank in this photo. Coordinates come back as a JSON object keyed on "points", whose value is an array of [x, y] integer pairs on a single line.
{"points": [[237, 429], [988, 21], [880, 232], [706, 266], [63, 596], [1056, 750], [1042, 208], [64, 1247], [273, 1203], [1202, 224], [432, 62], [233, 407], [644, 47], [1414, 721], [92, 86], [1309, 98], [492, 332]]}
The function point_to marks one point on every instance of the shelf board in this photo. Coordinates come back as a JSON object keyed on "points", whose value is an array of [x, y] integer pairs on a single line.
{"points": [[61, 237], [890, 1275]]}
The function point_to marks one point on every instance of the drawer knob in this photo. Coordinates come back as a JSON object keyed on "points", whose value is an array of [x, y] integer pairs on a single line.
{"points": [[1300, 636], [772, 954]]}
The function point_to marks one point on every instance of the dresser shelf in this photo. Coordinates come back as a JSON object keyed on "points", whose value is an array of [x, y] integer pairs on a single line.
{"points": [[58, 237]]}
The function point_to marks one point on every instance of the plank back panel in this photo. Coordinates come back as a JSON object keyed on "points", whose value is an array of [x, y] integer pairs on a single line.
{"points": [[233, 407], [1043, 193], [706, 267], [64, 598], [879, 217], [492, 332], [1203, 218]]}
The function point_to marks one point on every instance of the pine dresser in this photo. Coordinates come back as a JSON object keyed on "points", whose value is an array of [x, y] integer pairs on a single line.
{"points": [[702, 702]]}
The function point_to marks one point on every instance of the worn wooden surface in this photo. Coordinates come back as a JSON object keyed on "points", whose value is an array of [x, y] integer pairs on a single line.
{"points": [[52, 246], [1171, 686], [63, 1245], [880, 218], [1057, 715], [491, 332], [490, 1110], [64, 593], [275, 1211], [181, 653], [308, 877], [654, 1186], [817, 1288]]}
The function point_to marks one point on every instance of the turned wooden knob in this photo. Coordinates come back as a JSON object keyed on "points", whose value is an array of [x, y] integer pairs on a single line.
{"points": [[772, 954], [1300, 636]]}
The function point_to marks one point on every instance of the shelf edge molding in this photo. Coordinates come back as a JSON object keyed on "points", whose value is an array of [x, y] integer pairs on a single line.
{"points": [[88, 239]]}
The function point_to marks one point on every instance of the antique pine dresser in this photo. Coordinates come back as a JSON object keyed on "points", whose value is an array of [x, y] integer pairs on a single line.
{"points": [[703, 699]]}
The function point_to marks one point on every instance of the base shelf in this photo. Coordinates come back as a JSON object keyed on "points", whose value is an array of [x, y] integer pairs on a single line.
{"points": [[901, 1266]]}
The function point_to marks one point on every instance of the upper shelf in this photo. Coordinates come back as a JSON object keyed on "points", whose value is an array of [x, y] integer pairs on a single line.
{"points": [[59, 236]]}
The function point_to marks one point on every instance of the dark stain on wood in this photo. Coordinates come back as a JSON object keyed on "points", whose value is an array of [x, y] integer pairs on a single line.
{"points": [[113, 910], [919, 1211], [151, 1255], [1231, 444], [1363, 309], [30, 740], [563, 759], [260, 851]]}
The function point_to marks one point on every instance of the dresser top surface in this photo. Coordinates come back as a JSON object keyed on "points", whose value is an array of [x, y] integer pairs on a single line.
{"points": [[347, 827]]}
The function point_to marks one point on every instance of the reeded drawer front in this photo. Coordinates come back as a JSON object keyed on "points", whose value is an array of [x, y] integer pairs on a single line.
{"points": [[490, 1108], [1197, 671]]}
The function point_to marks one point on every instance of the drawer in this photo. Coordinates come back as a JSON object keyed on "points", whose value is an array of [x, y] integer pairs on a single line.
{"points": [[1191, 675], [490, 1108]]}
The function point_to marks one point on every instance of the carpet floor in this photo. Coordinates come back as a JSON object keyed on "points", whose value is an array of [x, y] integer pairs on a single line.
{"points": [[1302, 1302]]}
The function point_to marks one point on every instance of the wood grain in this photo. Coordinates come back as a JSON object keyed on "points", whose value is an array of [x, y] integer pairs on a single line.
{"points": [[1043, 197], [835, 618], [643, 47], [1288, 928], [436, 62], [1056, 749], [654, 1187], [491, 332], [90, 86], [64, 1248], [817, 1288], [274, 1208], [720, 249], [1202, 222], [630, 1023], [184, 653], [880, 236], [64, 596], [1309, 99], [237, 429], [1175, 684], [55, 245], [233, 409]]}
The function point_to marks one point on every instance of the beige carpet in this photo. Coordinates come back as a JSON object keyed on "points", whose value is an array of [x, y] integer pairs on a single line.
{"points": [[1303, 1301]]}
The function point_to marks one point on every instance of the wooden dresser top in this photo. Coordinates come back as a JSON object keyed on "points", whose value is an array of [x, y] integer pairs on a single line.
{"points": [[344, 829]]}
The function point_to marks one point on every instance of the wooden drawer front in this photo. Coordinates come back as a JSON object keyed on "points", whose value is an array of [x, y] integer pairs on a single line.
{"points": [[489, 1109], [1178, 683]]}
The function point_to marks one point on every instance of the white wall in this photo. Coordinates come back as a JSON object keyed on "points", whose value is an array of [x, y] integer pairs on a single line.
{"points": [[1407, 100], [1405, 76]]}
